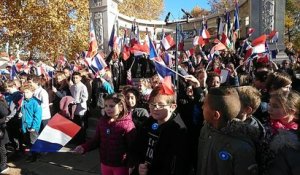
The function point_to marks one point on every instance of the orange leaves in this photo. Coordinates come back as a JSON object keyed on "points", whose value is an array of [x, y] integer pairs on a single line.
{"points": [[143, 9], [46, 25]]}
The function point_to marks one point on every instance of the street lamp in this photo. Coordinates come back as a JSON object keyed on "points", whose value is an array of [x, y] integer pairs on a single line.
{"points": [[178, 23]]}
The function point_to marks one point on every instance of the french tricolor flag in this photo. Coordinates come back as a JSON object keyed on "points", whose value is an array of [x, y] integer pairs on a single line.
{"points": [[273, 36], [259, 44], [168, 42], [58, 132]]}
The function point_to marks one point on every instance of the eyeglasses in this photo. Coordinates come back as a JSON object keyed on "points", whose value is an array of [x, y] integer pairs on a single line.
{"points": [[157, 106]]}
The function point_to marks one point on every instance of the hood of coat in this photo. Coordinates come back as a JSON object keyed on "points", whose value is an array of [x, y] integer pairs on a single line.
{"points": [[240, 129], [125, 118], [285, 139]]}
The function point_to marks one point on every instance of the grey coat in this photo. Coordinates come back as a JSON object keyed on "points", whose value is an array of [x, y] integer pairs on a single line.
{"points": [[227, 151], [286, 146]]}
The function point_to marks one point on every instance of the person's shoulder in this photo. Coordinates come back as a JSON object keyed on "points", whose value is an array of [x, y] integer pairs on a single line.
{"points": [[178, 120], [285, 139], [239, 135], [140, 111], [35, 100]]}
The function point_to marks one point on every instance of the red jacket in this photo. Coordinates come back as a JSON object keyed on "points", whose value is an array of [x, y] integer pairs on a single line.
{"points": [[114, 140]]}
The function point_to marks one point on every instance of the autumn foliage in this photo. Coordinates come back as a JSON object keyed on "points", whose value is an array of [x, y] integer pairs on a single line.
{"points": [[53, 27], [143, 9]]}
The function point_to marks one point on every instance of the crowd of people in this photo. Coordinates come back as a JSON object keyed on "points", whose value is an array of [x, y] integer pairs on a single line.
{"points": [[242, 122]]}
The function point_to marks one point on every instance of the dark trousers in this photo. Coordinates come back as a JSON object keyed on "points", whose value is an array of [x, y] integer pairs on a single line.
{"points": [[14, 132], [3, 157], [80, 120]]}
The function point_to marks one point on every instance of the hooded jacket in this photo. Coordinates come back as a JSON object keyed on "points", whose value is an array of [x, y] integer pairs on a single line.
{"points": [[229, 150], [31, 115], [114, 140]]}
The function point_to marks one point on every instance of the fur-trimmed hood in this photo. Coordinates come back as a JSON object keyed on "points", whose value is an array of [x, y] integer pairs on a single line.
{"points": [[285, 138], [238, 128]]}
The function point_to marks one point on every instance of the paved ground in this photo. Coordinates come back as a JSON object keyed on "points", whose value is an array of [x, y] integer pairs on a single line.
{"points": [[56, 164]]}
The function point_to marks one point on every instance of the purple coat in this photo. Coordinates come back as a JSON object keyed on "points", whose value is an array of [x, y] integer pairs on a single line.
{"points": [[114, 140]]}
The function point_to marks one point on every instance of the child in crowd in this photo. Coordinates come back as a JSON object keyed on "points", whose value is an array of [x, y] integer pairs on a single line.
{"points": [[250, 101], [278, 80], [284, 110], [155, 81], [139, 115], [162, 143], [114, 136], [4, 111], [60, 89], [144, 88], [42, 95], [14, 99], [31, 113], [213, 80], [224, 144], [80, 94]]}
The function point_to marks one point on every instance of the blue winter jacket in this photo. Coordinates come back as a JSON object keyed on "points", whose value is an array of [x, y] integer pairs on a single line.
{"points": [[31, 114]]}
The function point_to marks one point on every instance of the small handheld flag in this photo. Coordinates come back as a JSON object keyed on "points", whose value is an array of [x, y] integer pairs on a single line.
{"points": [[57, 133]]}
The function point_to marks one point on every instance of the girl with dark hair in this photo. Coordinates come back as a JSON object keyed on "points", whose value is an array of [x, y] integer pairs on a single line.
{"points": [[114, 136]]}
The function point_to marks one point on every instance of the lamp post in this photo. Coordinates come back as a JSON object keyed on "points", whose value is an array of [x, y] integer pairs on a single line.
{"points": [[178, 23]]}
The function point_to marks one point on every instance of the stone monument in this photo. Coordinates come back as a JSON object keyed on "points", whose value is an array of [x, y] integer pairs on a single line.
{"points": [[266, 16], [104, 13]]}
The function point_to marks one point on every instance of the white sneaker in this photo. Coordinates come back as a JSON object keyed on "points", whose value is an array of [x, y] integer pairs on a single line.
{"points": [[6, 170]]}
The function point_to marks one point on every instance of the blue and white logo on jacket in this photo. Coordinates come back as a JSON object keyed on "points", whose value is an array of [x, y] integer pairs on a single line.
{"points": [[224, 155]]}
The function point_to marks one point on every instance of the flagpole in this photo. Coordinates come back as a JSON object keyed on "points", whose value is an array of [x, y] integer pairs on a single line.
{"points": [[178, 74]]}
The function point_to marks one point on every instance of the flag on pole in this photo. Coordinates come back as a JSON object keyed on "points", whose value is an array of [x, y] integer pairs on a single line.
{"points": [[93, 42], [57, 133], [225, 41], [13, 72], [165, 74], [181, 41], [273, 36], [112, 38], [250, 32], [98, 63], [204, 32], [259, 44], [198, 40], [168, 42], [152, 51], [236, 16]]}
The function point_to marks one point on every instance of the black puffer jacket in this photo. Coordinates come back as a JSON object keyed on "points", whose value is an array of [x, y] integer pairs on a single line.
{"points": [[169, 152], [3, 113]]}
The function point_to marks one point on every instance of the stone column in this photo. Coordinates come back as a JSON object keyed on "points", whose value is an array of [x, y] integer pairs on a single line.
{"points": [[268, 15], [104, 13]]}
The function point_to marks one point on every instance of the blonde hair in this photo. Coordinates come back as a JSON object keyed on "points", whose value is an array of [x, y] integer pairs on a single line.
{"points": [[27, 86], [249, 97], [11, 83]]}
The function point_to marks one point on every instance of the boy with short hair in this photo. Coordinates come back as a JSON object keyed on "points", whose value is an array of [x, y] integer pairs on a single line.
{"points": [[250, 101], [41, 94], [224, 144], [13, 99], [80, 94], [162, 143], [31, 118]]}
